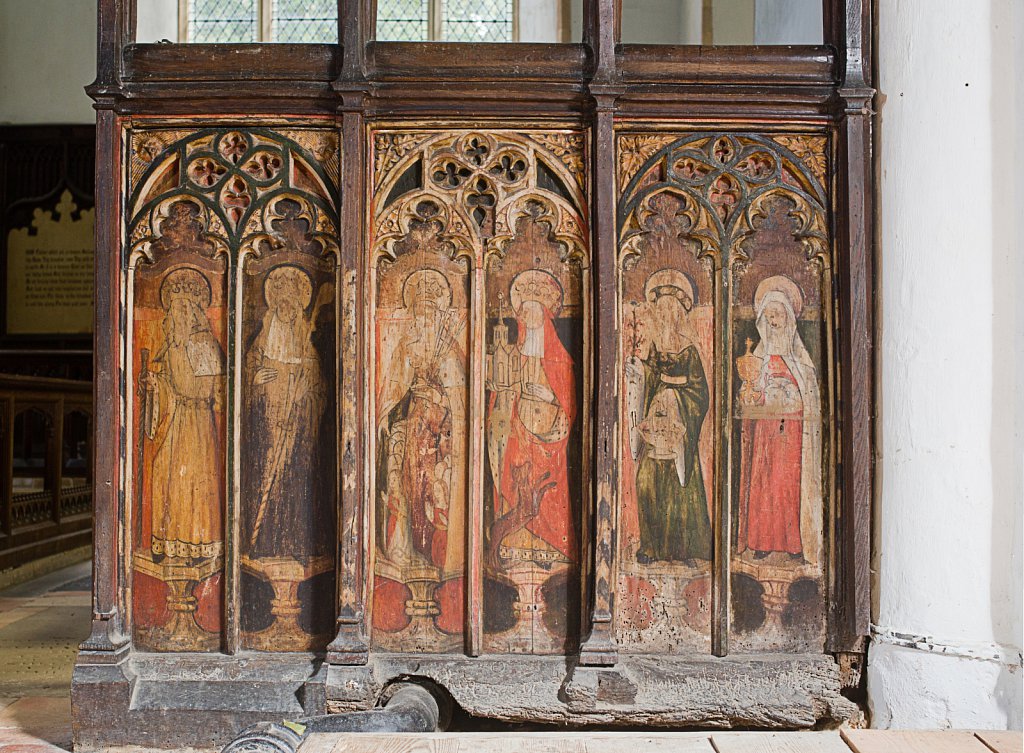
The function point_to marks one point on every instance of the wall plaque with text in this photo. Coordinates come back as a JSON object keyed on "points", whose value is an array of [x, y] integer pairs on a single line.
{"points": [[50, 272]]}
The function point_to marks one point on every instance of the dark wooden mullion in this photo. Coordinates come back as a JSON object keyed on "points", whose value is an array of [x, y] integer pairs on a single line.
{"points": [[6, 464], [351, 645], [855, 242], [109, 560], [599, 648], [56, 457]]}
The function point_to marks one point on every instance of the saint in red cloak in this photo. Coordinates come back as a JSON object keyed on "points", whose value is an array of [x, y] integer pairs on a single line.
{"points": [[534, 485]]}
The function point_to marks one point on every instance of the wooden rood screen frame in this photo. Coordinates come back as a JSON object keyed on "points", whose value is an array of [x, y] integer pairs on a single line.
{"points": [[667, 249]]}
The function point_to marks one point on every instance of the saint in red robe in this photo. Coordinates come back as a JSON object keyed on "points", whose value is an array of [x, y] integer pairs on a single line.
{"points": [[542, 414], [773, 447]]}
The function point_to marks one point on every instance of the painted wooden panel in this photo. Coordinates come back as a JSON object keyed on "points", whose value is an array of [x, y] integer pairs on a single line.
{"points": [[781, 348], [230, 231], [668, 418], [480, 249], [723, 248], [180, 317], [288, 366]]}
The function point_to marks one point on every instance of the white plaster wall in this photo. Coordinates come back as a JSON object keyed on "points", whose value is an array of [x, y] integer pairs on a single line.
{"points": [[951, 393], [47, 56], [156, 20]]}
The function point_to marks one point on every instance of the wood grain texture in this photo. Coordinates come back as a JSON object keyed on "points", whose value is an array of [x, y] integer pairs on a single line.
{"points": [[892, 741], [524, 742], [1002, 741], [781, 742]]}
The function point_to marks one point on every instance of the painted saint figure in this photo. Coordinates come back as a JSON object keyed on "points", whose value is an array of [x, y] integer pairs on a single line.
{"points": [[781, 468], [671, 392], [532, 405], [286, 401], [183, 398], [421, 430]]}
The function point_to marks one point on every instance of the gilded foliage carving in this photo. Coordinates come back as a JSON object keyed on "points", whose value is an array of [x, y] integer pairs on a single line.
{"points": [[635, 149], [724, 183], [811, 150], [568, 147]]}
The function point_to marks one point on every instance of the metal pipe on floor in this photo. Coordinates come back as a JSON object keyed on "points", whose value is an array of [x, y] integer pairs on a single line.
{"points": [[410, 708]]}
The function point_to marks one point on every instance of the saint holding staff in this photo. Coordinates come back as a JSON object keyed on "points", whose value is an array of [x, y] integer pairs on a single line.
{"points": [[181, 398], [286, 399]]}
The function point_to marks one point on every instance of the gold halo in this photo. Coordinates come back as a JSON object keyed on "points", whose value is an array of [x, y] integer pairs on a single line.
{"points": [[781, 284], [298, 275], [417, 279], [181, 274], [670, 278], [536, 285]]}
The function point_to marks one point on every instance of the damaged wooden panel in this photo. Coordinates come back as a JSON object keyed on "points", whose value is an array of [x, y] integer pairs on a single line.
{"points": [[232, 231], [725, 353], [480, 359], [780, 265], [667, 288], [179, 296]]}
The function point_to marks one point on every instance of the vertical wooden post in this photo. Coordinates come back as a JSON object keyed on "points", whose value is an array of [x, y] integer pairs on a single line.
{"points": [[855, 236], [598, 649], [722, 511], [55, 462], [115, 29], [350, 645], [6, 463]]}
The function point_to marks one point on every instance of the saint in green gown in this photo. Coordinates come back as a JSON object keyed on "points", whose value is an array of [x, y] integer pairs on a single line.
{"points": [[674, 523]]}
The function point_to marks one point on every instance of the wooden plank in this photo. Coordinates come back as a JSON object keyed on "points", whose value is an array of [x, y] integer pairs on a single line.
{"points": [[913, 741], [509, 742], [779, 742], [1002, 741]]}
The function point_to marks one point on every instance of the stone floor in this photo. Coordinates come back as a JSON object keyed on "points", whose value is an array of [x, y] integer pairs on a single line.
{"points": [[43, 621], [41, 624]]}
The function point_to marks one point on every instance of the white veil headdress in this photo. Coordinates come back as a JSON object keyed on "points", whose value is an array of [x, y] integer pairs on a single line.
{"points": [[783, 291]]}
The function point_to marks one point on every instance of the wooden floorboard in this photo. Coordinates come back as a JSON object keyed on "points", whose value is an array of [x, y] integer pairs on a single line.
{"points": [[519, 742], [1002, 741], [898, 741], [778, 742]]}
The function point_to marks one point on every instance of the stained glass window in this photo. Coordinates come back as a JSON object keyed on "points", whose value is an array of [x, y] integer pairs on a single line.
{"points": [[234, 21], [304, 21], [459, 20], [223, 21], [477, 21], [403, 20]]}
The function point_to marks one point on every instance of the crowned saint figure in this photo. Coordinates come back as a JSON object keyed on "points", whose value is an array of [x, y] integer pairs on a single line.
{"points": [[529, 434]]}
